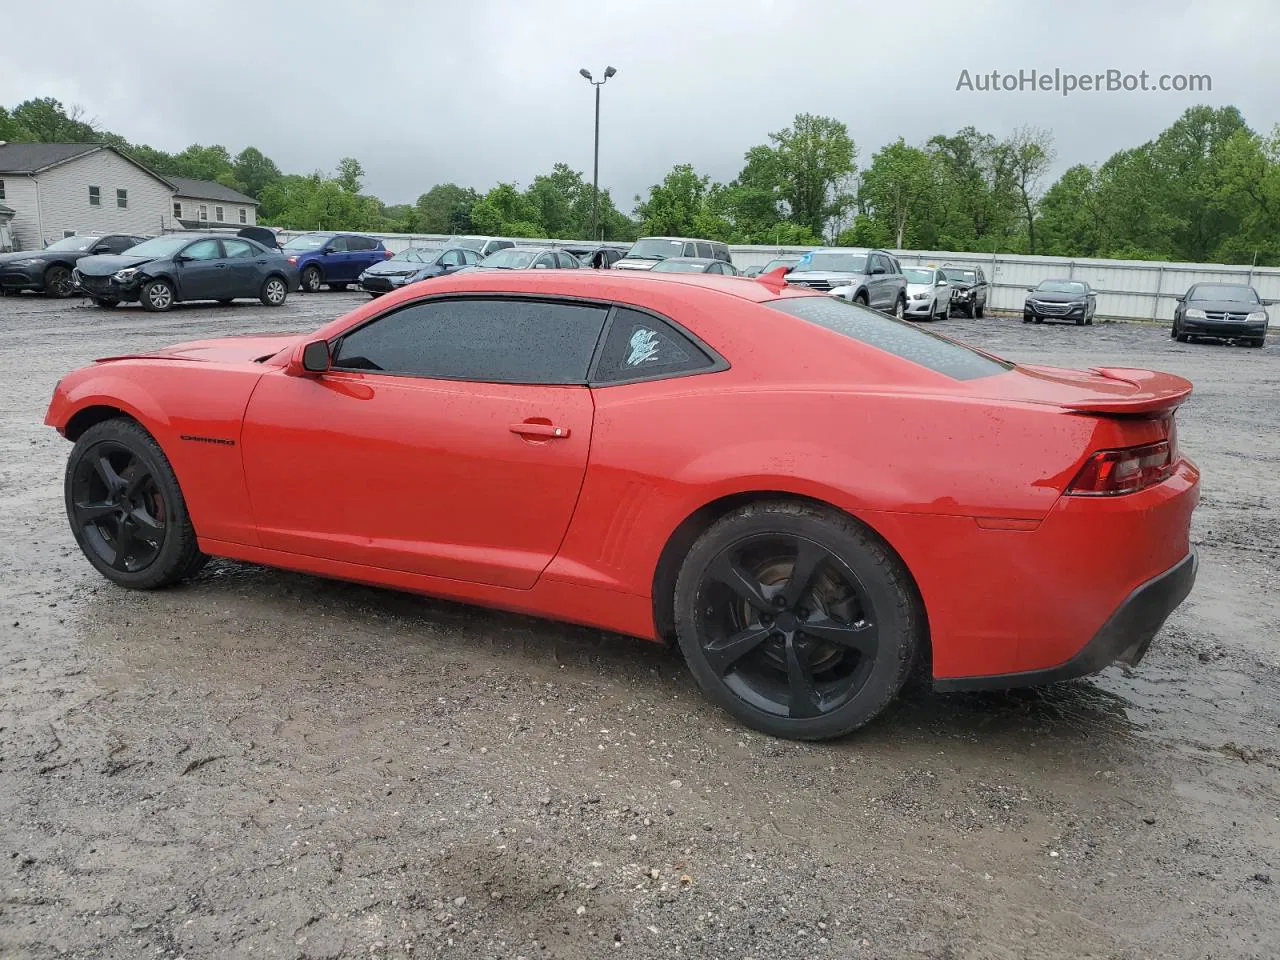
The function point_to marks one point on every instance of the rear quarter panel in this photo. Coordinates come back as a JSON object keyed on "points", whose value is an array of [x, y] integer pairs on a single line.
{"points": [[194, 411]]}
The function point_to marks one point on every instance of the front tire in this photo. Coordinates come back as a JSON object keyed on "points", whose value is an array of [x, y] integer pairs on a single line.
{"points": [[797, 620], [126, 509], [157, 296], [58, 283], [274, 292], [312, 280], [980, 310]]}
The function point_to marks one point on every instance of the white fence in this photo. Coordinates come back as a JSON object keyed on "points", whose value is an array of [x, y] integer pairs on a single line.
{"points": [[1127, 289]]}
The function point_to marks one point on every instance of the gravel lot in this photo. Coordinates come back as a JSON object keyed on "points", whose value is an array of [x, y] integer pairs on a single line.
{"points": [[263, 764]]}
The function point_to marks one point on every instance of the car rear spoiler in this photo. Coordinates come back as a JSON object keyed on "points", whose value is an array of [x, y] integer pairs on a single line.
{"points": [[1155, 393]]}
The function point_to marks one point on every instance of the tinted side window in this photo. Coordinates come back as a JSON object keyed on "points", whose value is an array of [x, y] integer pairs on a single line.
{"points": [[897, 337], [238, 248], [203, 250], [473, 339], [120, 244], [568, 261], [640, 345], [451, 258], [362, 243], [338, 245], [720, 252], [704, 250]]}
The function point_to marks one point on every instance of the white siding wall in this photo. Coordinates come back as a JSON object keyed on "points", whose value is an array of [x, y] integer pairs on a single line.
{"points": [[20, 196], [64, 198], [230, 211]]}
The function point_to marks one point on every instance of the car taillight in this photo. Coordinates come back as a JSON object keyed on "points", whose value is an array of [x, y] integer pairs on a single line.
{"points": [[1111, 472], [386, 254]]}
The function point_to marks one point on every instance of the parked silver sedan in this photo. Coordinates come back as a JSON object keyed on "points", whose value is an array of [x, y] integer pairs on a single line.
{"points": [[928, 293]]}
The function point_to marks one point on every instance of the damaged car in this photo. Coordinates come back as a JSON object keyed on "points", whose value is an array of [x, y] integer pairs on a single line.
{"points": [[181, 268]]}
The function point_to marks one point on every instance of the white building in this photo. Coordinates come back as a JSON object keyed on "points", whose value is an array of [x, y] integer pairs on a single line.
{"points": [[55, 190]]}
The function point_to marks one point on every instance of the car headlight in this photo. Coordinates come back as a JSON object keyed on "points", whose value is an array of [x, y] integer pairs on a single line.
{"points": [[1194, 314], [1076, 306], [919, 296], [1258, 316], [28, 262], [127, 274]]}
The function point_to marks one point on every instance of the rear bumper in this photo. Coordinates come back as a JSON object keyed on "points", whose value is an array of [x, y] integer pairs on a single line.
{"points": [[1124, 638], [1227, 329]]}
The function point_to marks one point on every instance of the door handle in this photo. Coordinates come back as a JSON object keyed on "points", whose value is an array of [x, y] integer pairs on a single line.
{"points": [[548, 430]]}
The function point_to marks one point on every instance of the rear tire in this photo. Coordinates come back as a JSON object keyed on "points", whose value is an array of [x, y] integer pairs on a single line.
{"points": [[58, 283], [157, 296], [806, 659], [274, 292], [126, 509]]}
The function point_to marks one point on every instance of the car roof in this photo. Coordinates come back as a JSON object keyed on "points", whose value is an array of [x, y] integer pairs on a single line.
{"points": [[692, 260], [520, 248], [698, 239], [855, 250]]}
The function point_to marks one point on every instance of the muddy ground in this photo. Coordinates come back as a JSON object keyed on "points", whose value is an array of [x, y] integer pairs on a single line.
{"points": [[263, 764]]}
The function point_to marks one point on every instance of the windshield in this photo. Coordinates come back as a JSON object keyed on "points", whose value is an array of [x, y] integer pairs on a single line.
{"points": [[964, 276], [1061, 286], [916, 275], [679, 266], [1224, 291], [655, 248], [417, 255], [510, 259], [940, 354], [833, 263], [159, 247], [468, 243], [310, 241], [779, 262], [73, 243]]}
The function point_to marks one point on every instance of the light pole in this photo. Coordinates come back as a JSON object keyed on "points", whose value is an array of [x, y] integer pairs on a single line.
{"points": [[595, 167]]}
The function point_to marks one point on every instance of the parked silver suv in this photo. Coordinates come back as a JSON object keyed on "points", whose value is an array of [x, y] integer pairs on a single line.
{"points": [[870, 277]]}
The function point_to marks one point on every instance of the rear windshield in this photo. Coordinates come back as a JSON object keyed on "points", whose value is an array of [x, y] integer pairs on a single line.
{"points": [[897, 337]]}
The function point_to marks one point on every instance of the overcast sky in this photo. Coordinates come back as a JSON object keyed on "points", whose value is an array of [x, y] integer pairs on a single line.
{"points": [[485, 91]]}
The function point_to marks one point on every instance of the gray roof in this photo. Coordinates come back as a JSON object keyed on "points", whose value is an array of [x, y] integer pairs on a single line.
{"points": [[207, 190], [34, 157]]}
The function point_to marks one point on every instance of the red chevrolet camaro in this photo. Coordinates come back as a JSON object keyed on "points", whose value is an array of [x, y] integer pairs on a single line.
{"points": [[810, 497]]}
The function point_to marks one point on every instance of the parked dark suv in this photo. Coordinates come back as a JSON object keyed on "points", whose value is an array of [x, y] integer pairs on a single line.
{"points": [[873, 278], [336, 259], [969, 289], [1223, 311]]}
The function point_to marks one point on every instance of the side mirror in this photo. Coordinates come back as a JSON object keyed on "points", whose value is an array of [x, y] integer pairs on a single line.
{"points": [[540, 266], [310, 359], [877, 271], [181, 258], [940, 282], [102, 248], [1181, 298]]}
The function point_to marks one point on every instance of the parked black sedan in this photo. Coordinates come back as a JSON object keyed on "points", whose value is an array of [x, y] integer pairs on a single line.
{"points": [[1069, 300], [184, 267], [694, 265], [48, 271], [1222, 311], [414, 264]]}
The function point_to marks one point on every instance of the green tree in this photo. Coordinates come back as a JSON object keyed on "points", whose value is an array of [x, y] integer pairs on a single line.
{"points": [[1030, 154], [446, 209], [898, 191], [255, 171], [204, 163], [506, 212], [45, 120], [1070, 222], [674, 205], [350, 174], [813, 164]]}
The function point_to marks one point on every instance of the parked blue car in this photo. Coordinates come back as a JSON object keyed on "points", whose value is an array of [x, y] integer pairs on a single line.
{"points": [[333, 259]]}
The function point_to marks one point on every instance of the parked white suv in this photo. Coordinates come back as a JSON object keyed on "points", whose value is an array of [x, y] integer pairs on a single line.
{"points": [[647, 251]]}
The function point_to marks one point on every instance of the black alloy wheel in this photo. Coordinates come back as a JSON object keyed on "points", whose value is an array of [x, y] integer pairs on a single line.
{"points": [[117, 507], [796, 620], [126, 510], [58, 282]]}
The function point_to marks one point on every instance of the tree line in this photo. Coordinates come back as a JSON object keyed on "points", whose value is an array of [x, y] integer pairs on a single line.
{"points": [[1206, 189]]}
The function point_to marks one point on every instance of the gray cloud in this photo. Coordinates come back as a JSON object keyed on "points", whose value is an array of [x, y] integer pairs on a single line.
{"points": [[424, 93]]}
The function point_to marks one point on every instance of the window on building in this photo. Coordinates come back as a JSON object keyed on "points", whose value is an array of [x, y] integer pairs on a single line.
{"points": [[177, 210], [122, 198], [244, 217], [1, 189], [95, 197], [204, 212], [217, 215], [68, 233]]}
